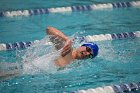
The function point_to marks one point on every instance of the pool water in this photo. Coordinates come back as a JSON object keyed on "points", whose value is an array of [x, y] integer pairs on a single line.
{"points": [[92, 22], [19, 4], [117, 62]]}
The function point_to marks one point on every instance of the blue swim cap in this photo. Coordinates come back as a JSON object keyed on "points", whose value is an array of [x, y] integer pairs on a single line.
{"points": [[93, 47]]}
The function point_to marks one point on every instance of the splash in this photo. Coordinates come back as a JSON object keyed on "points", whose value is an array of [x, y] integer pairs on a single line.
{"points": [[39, 58]]}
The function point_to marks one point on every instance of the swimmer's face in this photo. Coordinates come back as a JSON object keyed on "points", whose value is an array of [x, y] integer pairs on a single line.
{"points": [[84, 52]]}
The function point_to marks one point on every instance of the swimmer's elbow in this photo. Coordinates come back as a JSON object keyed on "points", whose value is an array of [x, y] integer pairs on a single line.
{"points": [[48, 30]]}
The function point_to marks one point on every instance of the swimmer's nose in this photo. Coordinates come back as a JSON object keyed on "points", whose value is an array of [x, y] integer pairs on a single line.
{"points": [[86, 53]]}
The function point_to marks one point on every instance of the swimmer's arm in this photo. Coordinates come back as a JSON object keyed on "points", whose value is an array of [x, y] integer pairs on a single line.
{"points": [[68, 45], [56, 32]]}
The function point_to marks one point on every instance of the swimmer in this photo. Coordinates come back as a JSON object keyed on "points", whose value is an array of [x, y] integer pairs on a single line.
{"points": [[68, 54]]}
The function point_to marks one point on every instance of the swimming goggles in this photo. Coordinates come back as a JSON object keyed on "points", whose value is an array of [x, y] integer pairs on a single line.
{"points": [[89, 50]]}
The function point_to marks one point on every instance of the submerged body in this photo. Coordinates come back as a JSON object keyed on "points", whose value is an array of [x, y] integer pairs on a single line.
{"points": [[8, 70]]}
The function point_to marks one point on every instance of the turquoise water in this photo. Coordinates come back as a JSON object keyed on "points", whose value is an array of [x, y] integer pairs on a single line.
{"points": [[117, 62], [30, 4], [92, 22]]}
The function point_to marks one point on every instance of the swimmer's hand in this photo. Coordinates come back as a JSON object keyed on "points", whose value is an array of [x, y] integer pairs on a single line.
{"points": [[67, 48]]}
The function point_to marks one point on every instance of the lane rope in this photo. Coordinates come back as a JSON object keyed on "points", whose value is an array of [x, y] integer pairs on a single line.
{"points": [[31, 12], [122, 88], [89, 38]]}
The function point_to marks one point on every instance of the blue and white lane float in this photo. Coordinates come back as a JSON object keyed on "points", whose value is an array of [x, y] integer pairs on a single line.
{"points": [[101, 37], [69, 9], [122, 88]]}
